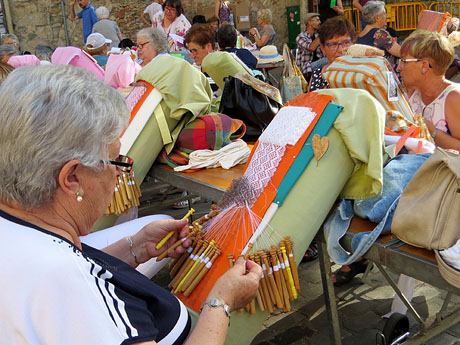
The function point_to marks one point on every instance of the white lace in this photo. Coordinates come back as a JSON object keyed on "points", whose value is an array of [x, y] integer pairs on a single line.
{"points": [[288, 126], [285, 129]]}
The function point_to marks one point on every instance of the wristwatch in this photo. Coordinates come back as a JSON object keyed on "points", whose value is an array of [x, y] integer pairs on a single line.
{"points": [[216, 303]]}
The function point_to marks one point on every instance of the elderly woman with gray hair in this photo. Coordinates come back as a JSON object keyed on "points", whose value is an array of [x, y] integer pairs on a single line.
{"points": [[150, 43], [108, 28], [374, 33], [59, 162], [7, 51]]}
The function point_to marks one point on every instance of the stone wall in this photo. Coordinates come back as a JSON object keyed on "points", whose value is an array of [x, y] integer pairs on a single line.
{"points": [[41, 21]]}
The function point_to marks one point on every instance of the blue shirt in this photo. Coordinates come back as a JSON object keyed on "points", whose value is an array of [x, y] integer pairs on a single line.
{"points": [[88, 14]]}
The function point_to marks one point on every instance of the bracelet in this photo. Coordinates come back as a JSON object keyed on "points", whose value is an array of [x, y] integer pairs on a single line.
{"points": [[216, 303], [132, 251], [433, 135]]}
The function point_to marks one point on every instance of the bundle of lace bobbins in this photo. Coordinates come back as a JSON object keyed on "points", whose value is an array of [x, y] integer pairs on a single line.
{"points": [[188, 270], [280, 280], [126, 195]]}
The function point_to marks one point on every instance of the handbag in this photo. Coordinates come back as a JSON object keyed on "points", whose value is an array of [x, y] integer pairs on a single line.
{"points": [[241, 101], [293, 82], [428, 213]]}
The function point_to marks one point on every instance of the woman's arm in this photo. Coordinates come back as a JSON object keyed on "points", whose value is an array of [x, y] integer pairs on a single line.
{"points": [[145, 240], [339, 7], [217, 8], [357, 5], [145, 20], [236, 288], [395, 50], [261, 42], [452, 110]]}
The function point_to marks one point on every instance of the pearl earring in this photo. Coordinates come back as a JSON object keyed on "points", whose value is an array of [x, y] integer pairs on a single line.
{"points": [[79, 197]]}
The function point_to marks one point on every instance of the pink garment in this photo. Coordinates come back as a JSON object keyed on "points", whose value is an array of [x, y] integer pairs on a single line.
{"points": [[23, 60], [435, 111], [77, 57], [120, 71]]}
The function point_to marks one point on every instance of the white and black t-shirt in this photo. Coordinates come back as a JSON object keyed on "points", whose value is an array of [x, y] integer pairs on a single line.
{"points": [[55, 293]]}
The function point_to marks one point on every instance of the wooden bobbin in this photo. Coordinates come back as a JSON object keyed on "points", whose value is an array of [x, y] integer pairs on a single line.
{"points": [[290, 253], [268, 304], [285, 273]]}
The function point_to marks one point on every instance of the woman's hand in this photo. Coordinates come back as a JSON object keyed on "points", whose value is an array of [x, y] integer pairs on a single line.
{"points": [[238, 286], [145, 240]]}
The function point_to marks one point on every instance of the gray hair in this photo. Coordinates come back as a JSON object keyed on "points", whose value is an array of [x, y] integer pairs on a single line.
{"points": [[13, 37], [156, 37], [51, 115], [102, 12], [372, 9], [8, 49], [265, 15], [43, 52]]}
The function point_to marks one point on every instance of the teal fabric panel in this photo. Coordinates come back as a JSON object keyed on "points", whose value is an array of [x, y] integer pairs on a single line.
{"points": [[322, 127]]}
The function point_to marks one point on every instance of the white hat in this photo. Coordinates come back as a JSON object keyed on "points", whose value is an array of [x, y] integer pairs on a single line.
{"points": [[269, 54], [96, 40]]}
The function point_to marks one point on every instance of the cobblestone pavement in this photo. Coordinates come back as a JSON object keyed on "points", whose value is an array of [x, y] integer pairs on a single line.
{"points": [[361, 306]]}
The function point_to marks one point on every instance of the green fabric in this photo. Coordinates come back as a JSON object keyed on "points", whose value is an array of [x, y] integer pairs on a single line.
{"points": [[186, 94], [219, 65], [361, 125], [185, 90]]}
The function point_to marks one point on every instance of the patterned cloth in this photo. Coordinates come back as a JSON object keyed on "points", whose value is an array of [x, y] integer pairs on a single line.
{"points": [[379, 38], [205, 132], [178, 27], [305, 56], [317, 81]]}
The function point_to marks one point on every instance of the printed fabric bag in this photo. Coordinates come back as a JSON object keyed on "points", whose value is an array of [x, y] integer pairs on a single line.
{"points": [[428, 214], [434, 21], [375, 75], [293, 82]]}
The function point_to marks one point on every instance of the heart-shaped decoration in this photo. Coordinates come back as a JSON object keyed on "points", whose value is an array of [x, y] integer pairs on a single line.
{"points": [[320, 146]]}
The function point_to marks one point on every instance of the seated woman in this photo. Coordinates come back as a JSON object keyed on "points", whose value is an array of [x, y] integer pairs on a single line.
{"points": [[425, 58], [374, 33], [172, 22], [66, 177], [226, 39], [200, 40], [267, 33], [97, 46], [335, 36], [150, 43]]}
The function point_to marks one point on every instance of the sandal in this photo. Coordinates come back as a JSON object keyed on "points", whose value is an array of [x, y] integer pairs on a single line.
{"points": [[344, 277], [312, 252]]}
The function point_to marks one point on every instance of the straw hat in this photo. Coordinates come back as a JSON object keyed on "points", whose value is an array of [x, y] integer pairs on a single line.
{"points": [[269, 54]]}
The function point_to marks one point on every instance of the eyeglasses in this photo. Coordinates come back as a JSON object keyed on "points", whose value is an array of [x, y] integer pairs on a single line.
{"points": [[170, 9], [124, 163], [404, 61], [335, 45], [194, 51], [141, 45]]}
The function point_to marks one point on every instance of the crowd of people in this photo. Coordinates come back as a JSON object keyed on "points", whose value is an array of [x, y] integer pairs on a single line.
{"points": [[60, 158]]}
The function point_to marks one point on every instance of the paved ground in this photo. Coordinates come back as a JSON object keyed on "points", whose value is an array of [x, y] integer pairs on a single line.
{"points": [[361, 306]]}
